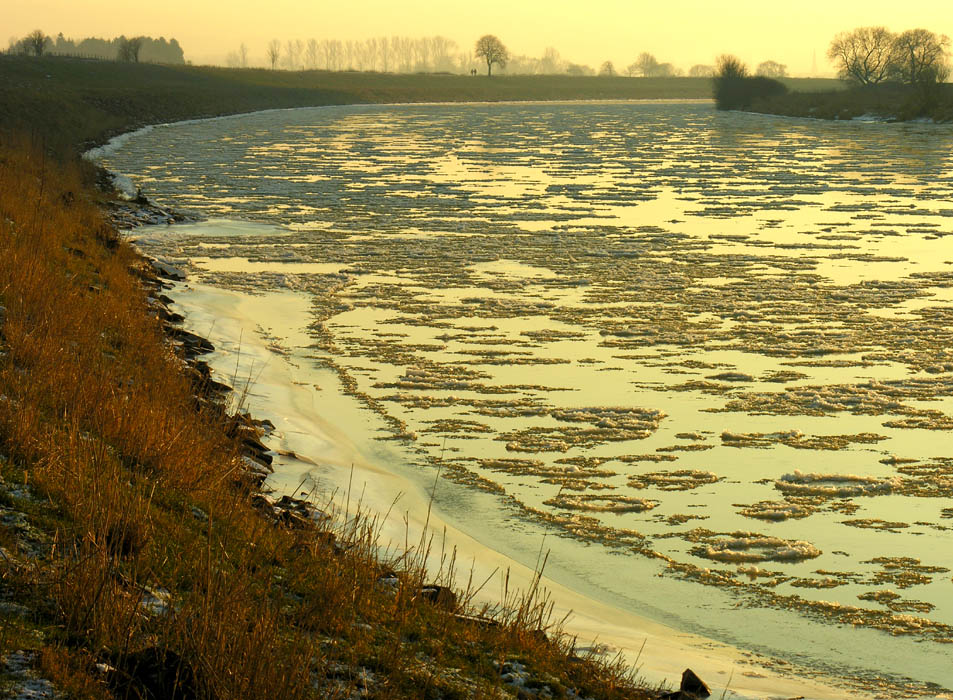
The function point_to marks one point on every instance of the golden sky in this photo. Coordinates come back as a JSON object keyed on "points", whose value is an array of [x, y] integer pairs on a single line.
{"points": [[683, 32]]}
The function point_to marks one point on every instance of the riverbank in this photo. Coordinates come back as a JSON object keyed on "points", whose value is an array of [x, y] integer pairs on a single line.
{"points": [[888, 103], [138, 559], [313, 447]]}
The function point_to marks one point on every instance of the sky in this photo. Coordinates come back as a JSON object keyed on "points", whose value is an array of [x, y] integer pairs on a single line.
{"points": [[682, 32]]}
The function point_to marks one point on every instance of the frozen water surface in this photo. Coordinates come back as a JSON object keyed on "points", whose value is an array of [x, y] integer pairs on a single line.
{"points": [[711, 353]]}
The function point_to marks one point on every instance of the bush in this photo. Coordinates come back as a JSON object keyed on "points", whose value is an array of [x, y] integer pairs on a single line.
{"points": [[741, 93]]}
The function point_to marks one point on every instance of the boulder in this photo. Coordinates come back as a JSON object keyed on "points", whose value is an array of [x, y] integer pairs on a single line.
{"points": [[193, 344], [167, 270], [693, 685], [691, 688]]}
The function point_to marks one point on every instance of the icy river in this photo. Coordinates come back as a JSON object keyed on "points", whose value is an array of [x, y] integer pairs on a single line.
{"points": [[705, 359]]}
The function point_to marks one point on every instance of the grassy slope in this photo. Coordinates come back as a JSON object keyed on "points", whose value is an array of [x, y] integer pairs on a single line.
{"points": [[115, 488]]}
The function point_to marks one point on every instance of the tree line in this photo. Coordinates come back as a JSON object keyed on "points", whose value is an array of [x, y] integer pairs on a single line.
{"points": [[399, 54], [866, 56], [394, 54], [872, 55], [122, 48]]}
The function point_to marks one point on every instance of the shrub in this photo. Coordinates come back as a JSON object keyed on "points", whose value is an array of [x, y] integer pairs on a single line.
{"points": [[735, 89]]}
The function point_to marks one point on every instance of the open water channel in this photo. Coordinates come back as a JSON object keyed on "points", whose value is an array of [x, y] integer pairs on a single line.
{"points": [[708, 355]]}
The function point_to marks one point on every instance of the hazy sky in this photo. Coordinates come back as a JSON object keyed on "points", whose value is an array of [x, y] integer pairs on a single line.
{"points": [[683, 32]]}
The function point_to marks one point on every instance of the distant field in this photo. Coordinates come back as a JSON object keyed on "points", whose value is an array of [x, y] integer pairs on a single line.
{"points": [[71, 103], [814, 84]]}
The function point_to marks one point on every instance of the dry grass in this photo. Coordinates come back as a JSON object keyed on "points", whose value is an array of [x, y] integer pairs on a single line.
{"points": [[135, 535]]}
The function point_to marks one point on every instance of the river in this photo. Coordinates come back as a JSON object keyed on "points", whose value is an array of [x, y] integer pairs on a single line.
{"points": [[704, 359]]}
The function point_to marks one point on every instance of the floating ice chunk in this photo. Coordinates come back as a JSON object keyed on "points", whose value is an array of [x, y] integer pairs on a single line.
{"points": [[678, 480], [834, 485], [602, 504], [753, 547], [772, 510], [732, 377]]}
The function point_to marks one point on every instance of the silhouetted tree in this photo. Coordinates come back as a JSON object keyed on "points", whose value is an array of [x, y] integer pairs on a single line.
{"points": [[293, 51], [607, 69], [551, 62], [491, 50], [35, 42], [129, 49], [731, 67], [273, 52], [142, 48], [734, 89], [701, 71], [646, 64], [441, 49], [17, 47], [311, 54], [919, 57], [864, 55], [243, 55], [772, 69], [384, 50]]}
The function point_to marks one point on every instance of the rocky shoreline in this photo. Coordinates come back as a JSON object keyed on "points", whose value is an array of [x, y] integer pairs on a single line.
{"points": [[210, 395]]}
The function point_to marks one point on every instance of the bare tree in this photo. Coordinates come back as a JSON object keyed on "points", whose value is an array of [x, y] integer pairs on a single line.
{"points": [[383, 51], [607, 69], [311, 54], [243, 55], [293, 51], [348, 55], [274, 52], [551, 62], [772, 69], [371, 50], [405, 53], [422, 51], [441, 50], [730, 67], [128, 50], [35, 42], [701, 71], [327, 50], [491, 50], [919, 57], [864, 55], [646, 65]]}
